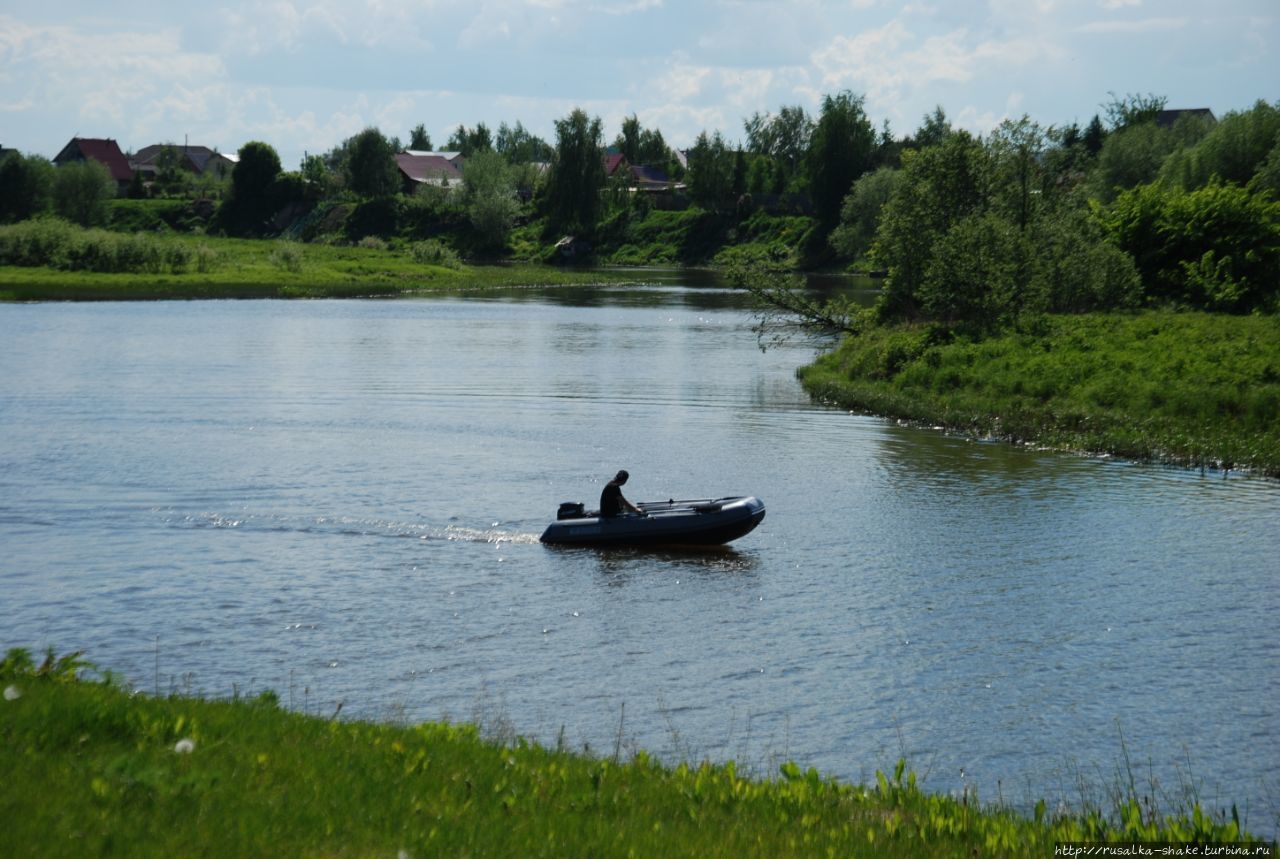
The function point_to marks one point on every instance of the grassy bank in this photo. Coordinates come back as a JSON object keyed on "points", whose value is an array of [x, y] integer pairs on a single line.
{"points": [[93, 770], [50, 261], [1186, 388]]}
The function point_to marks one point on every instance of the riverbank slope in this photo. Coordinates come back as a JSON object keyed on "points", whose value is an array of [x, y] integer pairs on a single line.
{"points": [[1186, 388], [94, 770]]}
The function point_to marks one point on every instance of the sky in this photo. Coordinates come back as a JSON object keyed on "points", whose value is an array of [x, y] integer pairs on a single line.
{"points": [[304, 75]]}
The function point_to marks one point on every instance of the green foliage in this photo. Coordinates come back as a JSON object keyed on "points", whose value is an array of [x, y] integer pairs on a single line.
{"points": [[94, 770], [287, 256], [434, 252], [489, 195], [82, 192], [1178, 387], [1215, 248], [938, 187], [577, 174], [1130, 157], [1133, 109], [26, 186], [59, 245], [370, 167], [419, 139], [470, 141], [375, 217], [841, 149], [710, 175], [252, 200], [520, 146], [1233, 150], [861, 210]]}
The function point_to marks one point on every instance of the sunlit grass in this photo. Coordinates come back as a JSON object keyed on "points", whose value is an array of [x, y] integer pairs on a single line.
{"points": [[87, 265], [1188, 388], [94, 770]]}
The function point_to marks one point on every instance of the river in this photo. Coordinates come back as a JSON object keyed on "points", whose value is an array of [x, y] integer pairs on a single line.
{"points": [[341, 501]]}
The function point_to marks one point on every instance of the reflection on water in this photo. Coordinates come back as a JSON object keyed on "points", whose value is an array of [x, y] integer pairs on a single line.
{"points": [[346, 497]]}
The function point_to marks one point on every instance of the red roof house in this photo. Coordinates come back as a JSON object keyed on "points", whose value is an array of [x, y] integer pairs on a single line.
{"points": [[416, 169], [105, 152]]}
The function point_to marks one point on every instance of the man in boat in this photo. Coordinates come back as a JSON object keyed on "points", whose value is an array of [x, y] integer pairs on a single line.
{"points": [[612, 502]]}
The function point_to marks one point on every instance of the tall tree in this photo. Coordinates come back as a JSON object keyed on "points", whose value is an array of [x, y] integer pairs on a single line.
{"points": [[933, 129], [489, 195], [81, 191], [26, 186], [371, 165], [419, 140], [711, 172], [519, 146], [469, 141], [577, 173], [842, 149]]}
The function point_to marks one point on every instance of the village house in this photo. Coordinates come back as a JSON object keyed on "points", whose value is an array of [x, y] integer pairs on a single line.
{"points": [[442, 169], [200, 160], [104, 151]]}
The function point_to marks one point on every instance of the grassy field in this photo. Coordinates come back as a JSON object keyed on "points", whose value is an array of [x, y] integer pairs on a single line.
{"points": [[91, 769], [87, 265], [1186, 388]]}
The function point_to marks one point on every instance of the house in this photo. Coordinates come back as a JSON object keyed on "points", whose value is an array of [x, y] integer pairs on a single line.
{"points": [[420, 168], [612, 161], [105, 152], [647, 178], [1167, 118], [200, 160], [455, 158]]}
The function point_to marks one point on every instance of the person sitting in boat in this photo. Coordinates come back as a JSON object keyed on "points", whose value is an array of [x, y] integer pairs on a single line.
{"points": [[612, 502]]}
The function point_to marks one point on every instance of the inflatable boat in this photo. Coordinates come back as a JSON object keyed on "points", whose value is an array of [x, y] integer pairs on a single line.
{"points": [[705, 522]]}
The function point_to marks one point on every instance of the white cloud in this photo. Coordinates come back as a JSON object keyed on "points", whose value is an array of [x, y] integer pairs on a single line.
{"points": [[1143, 25]]}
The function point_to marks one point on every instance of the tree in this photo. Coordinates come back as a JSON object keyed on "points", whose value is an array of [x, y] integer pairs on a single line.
{"points": [[1132, 109], [711, 172], [371, 165], [938, 187], [26, 186], [470, 141], [1234, 149], [81, 191], [784, 140], [860, 213], [577, 173], [519, 146], [1018, 157], [1214, 248], [419, 140], [841, 150], [1130, 157], [252, 197], [933, 129], [489, 195]]}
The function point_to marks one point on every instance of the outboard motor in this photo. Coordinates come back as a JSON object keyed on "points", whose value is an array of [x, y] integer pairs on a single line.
{"points": [[571, 510]]}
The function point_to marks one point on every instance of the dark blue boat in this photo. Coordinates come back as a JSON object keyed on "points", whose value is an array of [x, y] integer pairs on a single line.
{"points": [[704, 522]]}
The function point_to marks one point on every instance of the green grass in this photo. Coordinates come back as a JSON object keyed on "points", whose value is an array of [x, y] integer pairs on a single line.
{"points": [[1186, 388], [208, 267], [91, 769]]}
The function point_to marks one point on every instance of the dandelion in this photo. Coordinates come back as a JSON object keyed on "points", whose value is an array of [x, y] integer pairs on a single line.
{"points": [[184, 746], [12, 693]]}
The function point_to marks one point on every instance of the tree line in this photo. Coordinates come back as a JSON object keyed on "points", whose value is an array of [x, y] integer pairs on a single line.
{"points": [[968, 229]]}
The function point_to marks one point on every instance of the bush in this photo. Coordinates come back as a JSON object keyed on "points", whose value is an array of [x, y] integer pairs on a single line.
{"points": [[287, 256], [434, 252]]}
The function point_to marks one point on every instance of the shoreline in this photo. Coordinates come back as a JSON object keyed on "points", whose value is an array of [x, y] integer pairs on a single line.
{"points": [[97, 768]]}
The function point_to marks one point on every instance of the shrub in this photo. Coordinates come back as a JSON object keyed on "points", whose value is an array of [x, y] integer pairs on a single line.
{"points": [[287, 256], [434, 252]]}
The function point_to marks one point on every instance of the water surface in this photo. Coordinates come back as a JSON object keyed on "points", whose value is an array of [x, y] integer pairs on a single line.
{"points": [[340, 501]]}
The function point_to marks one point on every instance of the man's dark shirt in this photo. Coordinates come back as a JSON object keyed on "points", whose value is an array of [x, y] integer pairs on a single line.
{"points": [[611, 500]]}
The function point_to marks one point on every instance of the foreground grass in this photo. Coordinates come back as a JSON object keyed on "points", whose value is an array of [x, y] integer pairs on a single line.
{"points": [[1186, 388], [93, 770], [255, 268]]}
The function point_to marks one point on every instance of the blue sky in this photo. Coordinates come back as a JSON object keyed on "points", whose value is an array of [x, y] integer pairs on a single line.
{"points": [[303, 75]]}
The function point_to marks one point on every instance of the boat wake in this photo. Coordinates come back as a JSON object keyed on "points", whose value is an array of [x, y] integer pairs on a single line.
{"points": [[349, 526]]}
